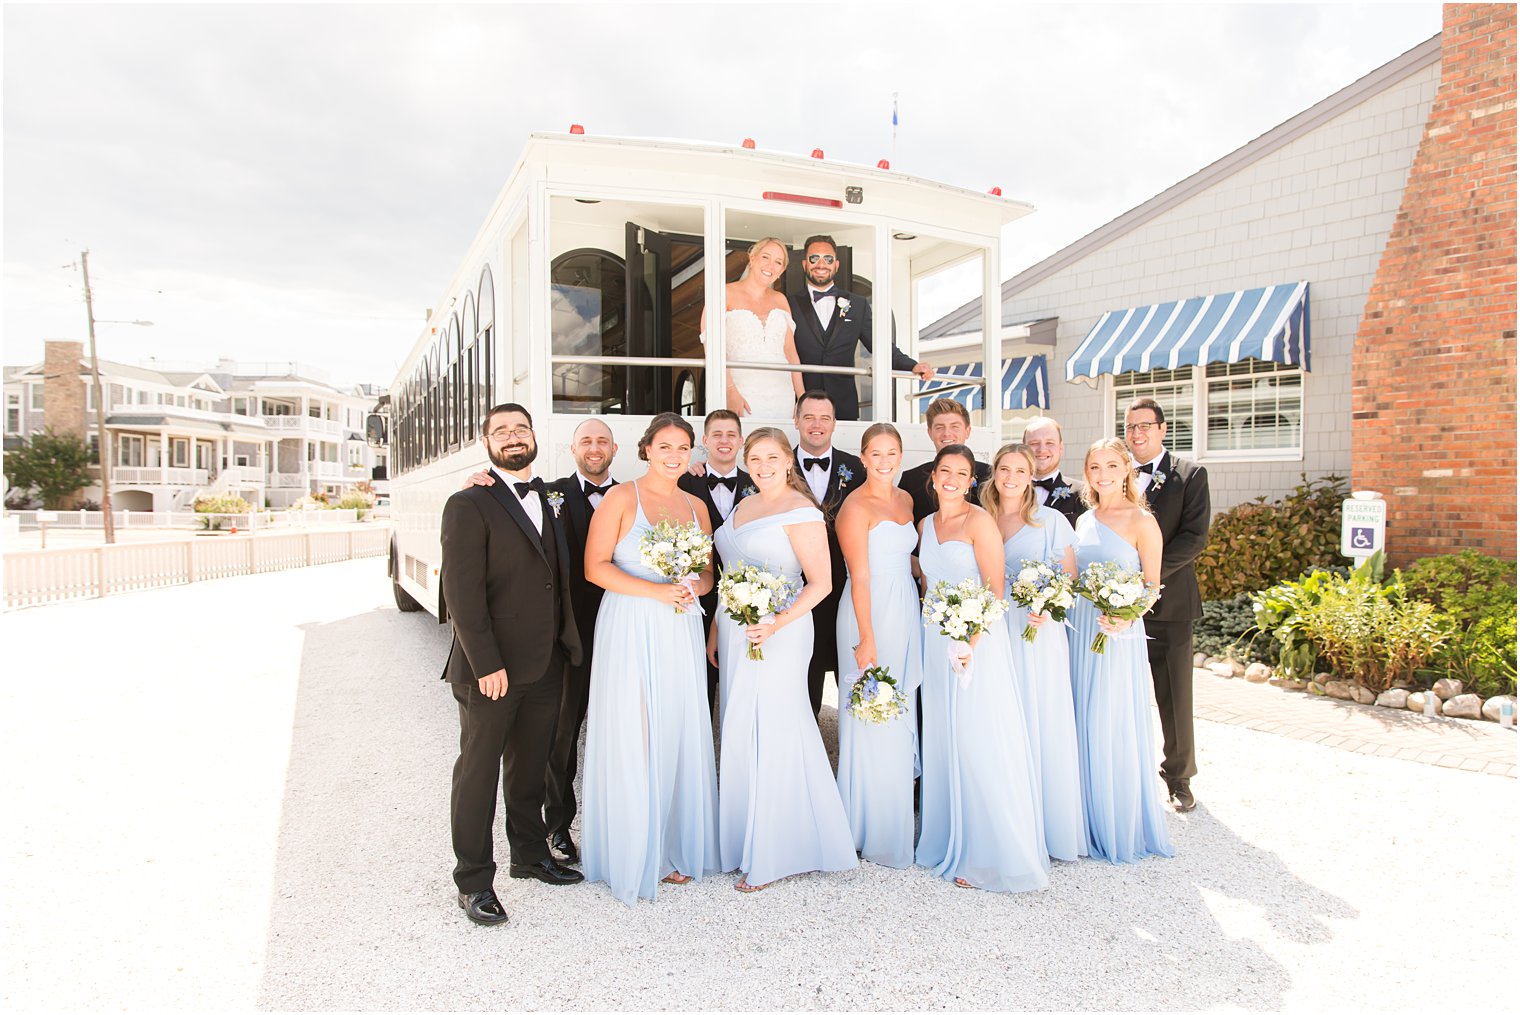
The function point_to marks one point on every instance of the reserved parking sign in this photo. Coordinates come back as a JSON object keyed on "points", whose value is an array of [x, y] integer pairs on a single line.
{"points": [[1364, 516]]}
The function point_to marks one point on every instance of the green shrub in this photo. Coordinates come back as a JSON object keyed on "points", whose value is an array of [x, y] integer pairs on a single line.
{"points": [[1255, 545], [1478, 593], [1228, 628], [213, 507], [55, 465], [1281, 611]]}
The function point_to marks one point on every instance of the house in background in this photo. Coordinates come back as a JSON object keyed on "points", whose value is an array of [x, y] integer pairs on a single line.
{"points": [[269, 433], [1239, 300]]}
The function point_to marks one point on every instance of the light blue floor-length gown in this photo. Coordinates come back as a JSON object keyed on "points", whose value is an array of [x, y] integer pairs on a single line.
{"points": [[980, 816], [650, 786], [878, 762], [779, 811], [1042, 670], [1115, 739]]}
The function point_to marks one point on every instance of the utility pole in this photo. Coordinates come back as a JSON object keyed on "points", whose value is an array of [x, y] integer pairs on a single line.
{"points": [[100, 410]]}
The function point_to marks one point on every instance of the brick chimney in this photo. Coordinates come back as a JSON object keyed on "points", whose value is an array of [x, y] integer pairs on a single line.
{"points": [[62, 389], [1433, 366]]}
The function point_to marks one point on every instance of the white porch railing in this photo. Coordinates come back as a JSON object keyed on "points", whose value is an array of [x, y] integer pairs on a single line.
{"points": [[288, 481], [158, 476], [309, 424], [34, 577]]}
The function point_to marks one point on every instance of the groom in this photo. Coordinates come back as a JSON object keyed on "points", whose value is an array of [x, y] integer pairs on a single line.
{"points": [[829, 322]]}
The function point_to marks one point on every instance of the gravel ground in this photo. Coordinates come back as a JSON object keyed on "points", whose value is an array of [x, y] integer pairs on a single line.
{"points": [[246, 807]]}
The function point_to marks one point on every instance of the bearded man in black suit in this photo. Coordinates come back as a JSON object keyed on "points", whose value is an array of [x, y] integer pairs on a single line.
{"points": [[1177, 491], [831, 474], [828, 322], [504, 585]]}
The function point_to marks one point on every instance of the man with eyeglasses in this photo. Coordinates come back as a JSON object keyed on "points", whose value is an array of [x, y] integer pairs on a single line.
{"points": [[504, 585], [1177, 491], [829, 322]]}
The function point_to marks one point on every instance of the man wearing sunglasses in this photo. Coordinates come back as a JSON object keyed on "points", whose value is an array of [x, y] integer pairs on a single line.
{"points": [[830, 320]]}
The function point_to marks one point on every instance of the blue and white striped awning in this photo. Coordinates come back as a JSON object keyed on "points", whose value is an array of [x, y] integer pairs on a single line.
{"points": [[1271, 323], [1026, 384]]}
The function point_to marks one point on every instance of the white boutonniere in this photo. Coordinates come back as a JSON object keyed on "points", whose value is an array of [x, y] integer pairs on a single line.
{"points": [[845, 475], [556, 500], [843, 305], [1060, 493]]}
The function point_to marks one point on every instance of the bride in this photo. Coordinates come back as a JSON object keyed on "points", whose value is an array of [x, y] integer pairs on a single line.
{"points": [[758, 326]]}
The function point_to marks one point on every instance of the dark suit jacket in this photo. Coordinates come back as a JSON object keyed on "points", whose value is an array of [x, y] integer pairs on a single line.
{"points": [[575, 519], [916, 482], [845, 474], [509, 607], [697, 487], [1181, 507], [1071, 504], [835, 346]]}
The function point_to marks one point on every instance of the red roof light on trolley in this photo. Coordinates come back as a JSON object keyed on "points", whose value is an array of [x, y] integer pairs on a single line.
{"points": [[883, 164], [817, 153], [576, 128], [996, 191], [749, 143]]}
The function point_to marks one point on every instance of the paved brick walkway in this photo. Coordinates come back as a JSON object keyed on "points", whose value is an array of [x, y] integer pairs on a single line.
{"points": [[1366, 729]]}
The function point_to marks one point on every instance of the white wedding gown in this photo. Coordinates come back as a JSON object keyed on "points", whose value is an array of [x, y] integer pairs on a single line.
{"points": [[768, 392]]}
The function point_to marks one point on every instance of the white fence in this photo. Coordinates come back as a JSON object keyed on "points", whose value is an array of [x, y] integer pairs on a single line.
{"points": [[28, 521], [33, 577]]}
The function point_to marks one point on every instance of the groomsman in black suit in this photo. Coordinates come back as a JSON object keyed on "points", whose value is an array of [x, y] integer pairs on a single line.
{"points": [[505, 586], [829, 322], [592, 447], [721, 485], [1042, 435], [1178, 493], [949, 423], [831, 474]]}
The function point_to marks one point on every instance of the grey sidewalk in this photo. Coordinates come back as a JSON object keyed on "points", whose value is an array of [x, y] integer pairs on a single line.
{"points": [[1366, 729]]}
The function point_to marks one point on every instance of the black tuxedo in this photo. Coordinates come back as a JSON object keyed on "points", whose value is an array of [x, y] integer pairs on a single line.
{"points": [[697, 487], [916, 482], [835, 346], [1069, 504], [1180, 502], [504, 586], [845, 474], [585, 599]]}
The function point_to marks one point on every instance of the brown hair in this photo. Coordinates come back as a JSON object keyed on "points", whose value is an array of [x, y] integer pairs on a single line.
{"points": [[793, 474], [722, 414], [1131, 489], [876, 430], [664, 421], [786, 256], [940, 406], [1145, 402], [946, 452], [992, 497]]}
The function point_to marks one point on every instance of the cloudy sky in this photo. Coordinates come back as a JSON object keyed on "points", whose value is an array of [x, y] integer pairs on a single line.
{"points": [[298, 182]]}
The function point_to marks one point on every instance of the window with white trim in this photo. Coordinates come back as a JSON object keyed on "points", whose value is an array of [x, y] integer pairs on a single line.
{"points": [[36, 390], [1251, 409]]}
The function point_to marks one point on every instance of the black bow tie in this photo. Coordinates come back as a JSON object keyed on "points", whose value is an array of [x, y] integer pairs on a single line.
{"points": [[1047, 485], [1149, 470], [830, 291], [535, 484], [815, 463], [713, 482], [592, 488]]}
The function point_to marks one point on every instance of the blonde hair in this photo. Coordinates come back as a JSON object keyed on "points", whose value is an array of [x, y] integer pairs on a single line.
{"points": [[786, 256], [992, 497], [1131, 490], [876, 430], [793, 474]]}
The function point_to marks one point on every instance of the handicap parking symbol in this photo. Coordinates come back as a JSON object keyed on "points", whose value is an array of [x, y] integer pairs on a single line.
{"points": [[1361, 538]]}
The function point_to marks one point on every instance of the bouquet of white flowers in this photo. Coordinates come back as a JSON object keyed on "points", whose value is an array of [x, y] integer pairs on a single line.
{"points": [[1043, 588], [961, 612], [875, 697], [677, 552], [753, 595], [1119, 594]]}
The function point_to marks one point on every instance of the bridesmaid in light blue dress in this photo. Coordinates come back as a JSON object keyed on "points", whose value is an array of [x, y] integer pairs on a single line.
{"points": [[779, 813], [1042, 667], [981, 822], [1115, 738], [879, 625], [650, 813]]}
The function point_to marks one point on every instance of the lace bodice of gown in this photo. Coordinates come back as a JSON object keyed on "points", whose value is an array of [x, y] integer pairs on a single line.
{"points": [[750, 339]]}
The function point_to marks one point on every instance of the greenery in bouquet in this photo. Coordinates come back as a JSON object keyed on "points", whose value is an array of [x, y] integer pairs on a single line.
{"points": [[753, 595], [1118, 594], [677, 551], [1041, 587], [875, 697]]}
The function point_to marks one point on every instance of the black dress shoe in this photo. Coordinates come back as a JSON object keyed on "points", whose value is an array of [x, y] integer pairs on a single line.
{"points": [[1182, 797], [483, 908], [547, 871], [563, 848]]}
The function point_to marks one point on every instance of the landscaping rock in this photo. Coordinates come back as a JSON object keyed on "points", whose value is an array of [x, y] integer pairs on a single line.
{"points": [[1237, 668], [1200, 659], [1223, 669], [1492, 706], [1416, 701], [1323, 678], [1315, 687], [1394, 697], [1463, 706], [1446, 688], [1295, 685], [1362, 695], [1258, 673], [1338, 689]]}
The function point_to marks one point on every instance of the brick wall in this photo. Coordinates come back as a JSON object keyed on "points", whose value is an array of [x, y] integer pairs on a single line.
{"points": [[62, 390], [1433, 364]]}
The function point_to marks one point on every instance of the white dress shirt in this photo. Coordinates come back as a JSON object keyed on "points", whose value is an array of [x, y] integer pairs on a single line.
{"points": [[532, 502], [825, 307], [1041, 495], [594, 499], [722, 497], [1145, 477], [817, 479]]}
